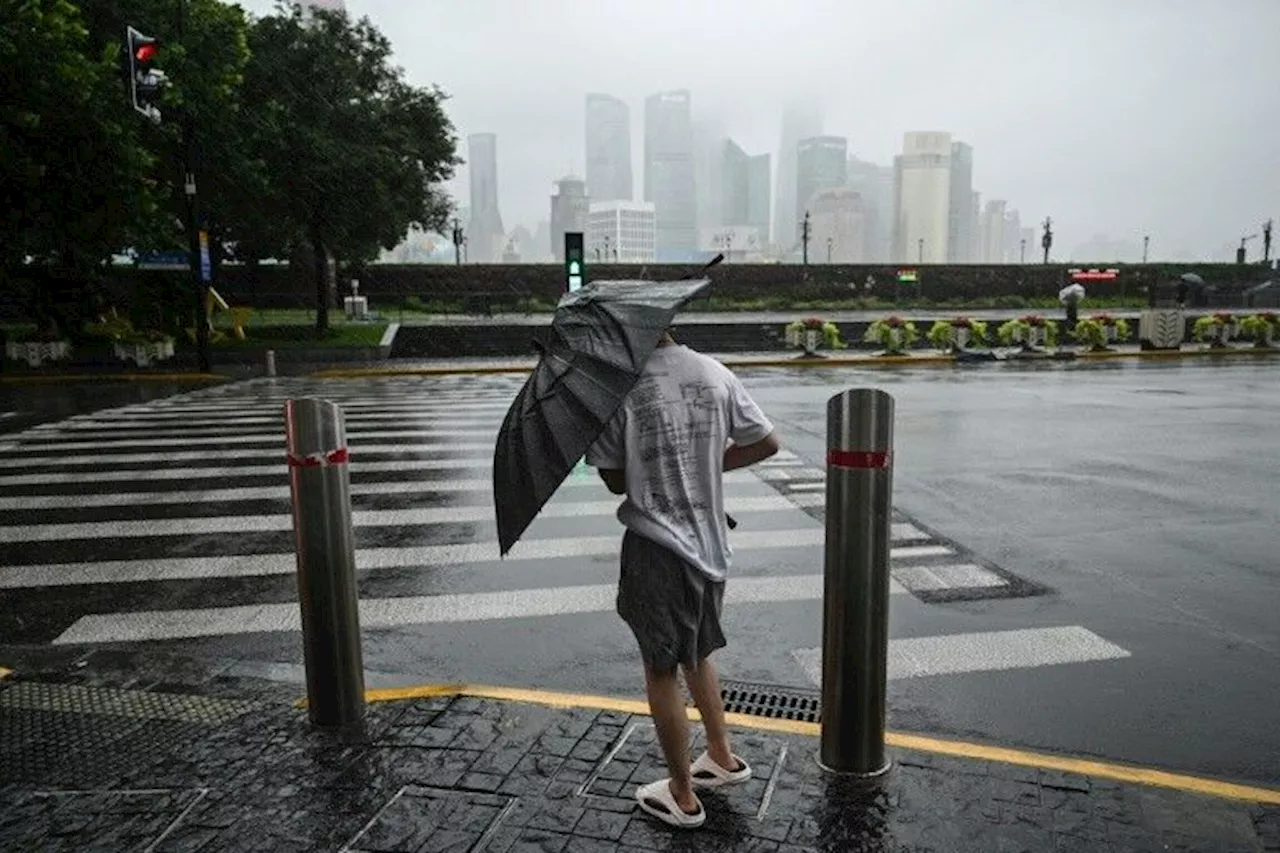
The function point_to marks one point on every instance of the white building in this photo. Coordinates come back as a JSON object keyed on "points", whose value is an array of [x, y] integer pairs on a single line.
{"points": [[838, 227], [922, 178], [993, 225], [738, 243], [620, 231]]}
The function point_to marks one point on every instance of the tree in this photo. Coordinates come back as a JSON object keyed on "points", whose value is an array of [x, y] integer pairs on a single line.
{"points": [[72, 166], [354, 153]]}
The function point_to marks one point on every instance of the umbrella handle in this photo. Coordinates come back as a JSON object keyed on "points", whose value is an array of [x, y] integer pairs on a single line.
{"points": [[709, 265]]}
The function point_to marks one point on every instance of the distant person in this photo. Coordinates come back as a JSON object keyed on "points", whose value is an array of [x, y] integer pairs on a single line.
{"points": [[667, 450]]}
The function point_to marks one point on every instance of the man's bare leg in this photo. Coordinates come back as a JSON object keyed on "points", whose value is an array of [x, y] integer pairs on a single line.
{"points": [[671, 720], [704, 684]]}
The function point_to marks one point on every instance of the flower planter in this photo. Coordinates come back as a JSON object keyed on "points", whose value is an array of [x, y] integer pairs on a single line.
{"points": [[1031, 337], [793, 337], [144, 354], [812, 337], [960, 337], [37, 353], [895, 342], [1111, 332]]}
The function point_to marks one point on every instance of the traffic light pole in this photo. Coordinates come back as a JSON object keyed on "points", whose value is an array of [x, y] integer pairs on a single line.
{"points": [[193, 218]]}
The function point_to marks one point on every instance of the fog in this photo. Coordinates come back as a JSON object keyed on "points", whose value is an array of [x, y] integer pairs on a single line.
{"points": [[1118, 119]]}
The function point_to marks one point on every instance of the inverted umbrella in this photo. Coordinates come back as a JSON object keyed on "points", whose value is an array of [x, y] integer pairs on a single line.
{"points": [[600, 339]]}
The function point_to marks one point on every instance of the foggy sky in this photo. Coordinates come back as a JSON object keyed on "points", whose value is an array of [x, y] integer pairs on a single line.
{"points": [[1116, 117]]}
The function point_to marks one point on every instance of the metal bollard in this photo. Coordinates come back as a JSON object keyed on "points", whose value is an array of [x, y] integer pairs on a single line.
{"points": [[271, 362], [855, 624], [321, 490]]}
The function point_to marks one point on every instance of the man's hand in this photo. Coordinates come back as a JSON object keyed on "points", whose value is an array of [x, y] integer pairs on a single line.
{"points": [[749, 454], [615, 479]]}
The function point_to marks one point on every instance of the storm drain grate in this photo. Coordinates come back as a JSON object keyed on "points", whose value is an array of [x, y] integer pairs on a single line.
{"points": [[771, 701]]}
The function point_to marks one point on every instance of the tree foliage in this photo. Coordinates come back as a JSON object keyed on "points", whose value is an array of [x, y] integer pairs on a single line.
{"points": [[356, 153], [306, 135]]}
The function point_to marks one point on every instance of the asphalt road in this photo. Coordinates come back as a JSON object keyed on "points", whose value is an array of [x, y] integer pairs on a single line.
{"points": [[1085, 561]]}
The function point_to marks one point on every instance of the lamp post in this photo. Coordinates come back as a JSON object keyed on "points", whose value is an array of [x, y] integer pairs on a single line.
{"points": [[920, 251], [1146, 242], [830, 244], [1022, 251]]}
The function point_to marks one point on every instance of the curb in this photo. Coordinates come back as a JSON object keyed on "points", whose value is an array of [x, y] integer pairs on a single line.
{"points": [[1079, 764], [793, 361], [38, 379]]}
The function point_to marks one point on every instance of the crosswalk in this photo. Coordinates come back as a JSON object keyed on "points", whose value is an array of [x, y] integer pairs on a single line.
{"points": [[170, 521]]}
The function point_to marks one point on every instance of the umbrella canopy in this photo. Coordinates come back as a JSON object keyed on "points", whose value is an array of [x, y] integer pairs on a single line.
{"points": [[1191, 278], [600, 339], [1071, 291]]}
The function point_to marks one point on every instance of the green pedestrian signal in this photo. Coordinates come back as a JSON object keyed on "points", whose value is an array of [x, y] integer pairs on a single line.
{"points": [[575, 267]]}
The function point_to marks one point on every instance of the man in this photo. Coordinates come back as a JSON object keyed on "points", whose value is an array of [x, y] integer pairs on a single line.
{"points": [[666, 450]]}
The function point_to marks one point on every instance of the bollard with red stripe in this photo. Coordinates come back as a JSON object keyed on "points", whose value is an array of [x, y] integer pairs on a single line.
{"points": [[855, 602], [316, 458]]}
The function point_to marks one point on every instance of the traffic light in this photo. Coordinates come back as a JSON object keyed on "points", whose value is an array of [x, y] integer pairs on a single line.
{"points": [[575, 264], [145, 80]]}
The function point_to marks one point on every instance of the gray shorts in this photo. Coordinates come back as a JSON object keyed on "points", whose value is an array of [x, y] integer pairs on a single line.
{"points": [[672, 608]]}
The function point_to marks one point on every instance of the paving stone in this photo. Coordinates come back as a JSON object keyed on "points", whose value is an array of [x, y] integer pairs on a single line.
{"points": [[538, 841], [578, 844]]}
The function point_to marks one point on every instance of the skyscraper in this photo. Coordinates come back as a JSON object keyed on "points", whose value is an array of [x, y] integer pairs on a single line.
{"points": [[874, 184], [959, 214], [822, 163], [669, 173], [744, 190], [708, 172], [837, 232], [486, 238], [608, 148], [993, 239], [569, 209], [758, 194], [798, 122], [922, 178]]}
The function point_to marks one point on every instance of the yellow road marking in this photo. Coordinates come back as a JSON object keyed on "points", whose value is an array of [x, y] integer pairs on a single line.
{"points": [[1133, 774]]}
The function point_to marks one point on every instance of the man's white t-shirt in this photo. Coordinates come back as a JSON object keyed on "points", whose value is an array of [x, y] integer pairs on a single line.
{"points": [[670, 435]]}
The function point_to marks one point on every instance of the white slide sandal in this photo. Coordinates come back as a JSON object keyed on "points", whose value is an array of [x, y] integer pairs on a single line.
{"points": [[708, 774], [656, 799]]}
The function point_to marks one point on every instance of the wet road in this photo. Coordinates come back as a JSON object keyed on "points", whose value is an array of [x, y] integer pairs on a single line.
{"points": [[1085, 559]]}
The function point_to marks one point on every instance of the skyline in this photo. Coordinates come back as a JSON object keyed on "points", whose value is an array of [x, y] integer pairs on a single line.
{"points": [[1066, 117]]}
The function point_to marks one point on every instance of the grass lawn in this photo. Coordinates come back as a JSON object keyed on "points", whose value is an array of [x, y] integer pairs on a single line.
{"points": [[283, 335]]}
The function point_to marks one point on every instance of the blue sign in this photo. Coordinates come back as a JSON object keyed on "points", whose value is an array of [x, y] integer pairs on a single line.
{"points": [[206, 268]]}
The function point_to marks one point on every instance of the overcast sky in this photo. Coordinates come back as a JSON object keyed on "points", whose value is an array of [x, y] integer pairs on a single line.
{"points": [[1116, 117]]}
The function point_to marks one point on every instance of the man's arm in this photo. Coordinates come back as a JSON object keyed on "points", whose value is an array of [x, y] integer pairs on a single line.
{"points": [[740, 456], [615, 479]]}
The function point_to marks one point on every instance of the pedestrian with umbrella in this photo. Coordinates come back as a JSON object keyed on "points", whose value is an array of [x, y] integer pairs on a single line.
{"points": [[661, 423]]}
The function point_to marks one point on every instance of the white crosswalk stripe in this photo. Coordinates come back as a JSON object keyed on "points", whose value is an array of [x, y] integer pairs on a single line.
{"points": [[194, 490]]}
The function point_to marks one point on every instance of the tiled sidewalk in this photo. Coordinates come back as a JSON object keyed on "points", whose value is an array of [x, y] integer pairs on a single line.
{"points": [[86, 768]]}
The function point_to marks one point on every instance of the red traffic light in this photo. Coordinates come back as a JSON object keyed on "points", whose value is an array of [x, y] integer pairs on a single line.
{"points": [[145, 52]]}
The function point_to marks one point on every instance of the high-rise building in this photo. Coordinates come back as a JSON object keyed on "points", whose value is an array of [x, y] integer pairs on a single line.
{"points": [[993, 240], [922, 179], [874, 184], [758, 195], [975, 234], [669, 174], [798, 122], [837, 227], [1028, 238], [744, 190], [708, 172], [621, 232], [960, 221], [1013, 237], [486, 238], [822, 163], [608, 148], [569, 208]]}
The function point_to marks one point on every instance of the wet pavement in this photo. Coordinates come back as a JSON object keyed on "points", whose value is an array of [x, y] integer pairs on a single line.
{"points": [[27, 404], [1083, 554], [220, 766]]}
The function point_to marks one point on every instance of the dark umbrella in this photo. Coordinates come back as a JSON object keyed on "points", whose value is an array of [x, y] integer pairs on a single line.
{"points": [[601, 337]]}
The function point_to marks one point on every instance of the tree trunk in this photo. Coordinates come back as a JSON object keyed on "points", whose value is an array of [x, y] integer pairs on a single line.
{"points": [[321, 261]]}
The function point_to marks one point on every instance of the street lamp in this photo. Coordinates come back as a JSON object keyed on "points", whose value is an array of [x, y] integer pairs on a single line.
{"points": [[830, 243], [920, 251], [1022, 251], [1146, 241]]}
